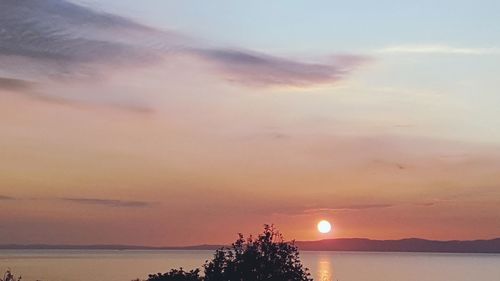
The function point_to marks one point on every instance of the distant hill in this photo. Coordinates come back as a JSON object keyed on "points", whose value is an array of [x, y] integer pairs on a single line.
{"points": [[403, 245], [339, 244]]}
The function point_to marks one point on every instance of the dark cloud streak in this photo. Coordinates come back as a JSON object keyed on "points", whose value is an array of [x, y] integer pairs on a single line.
{"points": [[12, 84], [88, 201], [293, 210], [257, 69], [109, 202], [353, 207]]}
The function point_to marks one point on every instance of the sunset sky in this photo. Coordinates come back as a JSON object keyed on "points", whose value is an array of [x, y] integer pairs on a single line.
{"points": [[161, 122]]}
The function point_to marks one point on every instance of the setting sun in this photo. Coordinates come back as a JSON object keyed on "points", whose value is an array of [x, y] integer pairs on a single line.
{"points": [[324, 226]]}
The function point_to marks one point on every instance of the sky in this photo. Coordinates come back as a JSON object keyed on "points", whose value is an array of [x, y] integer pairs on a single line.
{"points": [[163, 122]]}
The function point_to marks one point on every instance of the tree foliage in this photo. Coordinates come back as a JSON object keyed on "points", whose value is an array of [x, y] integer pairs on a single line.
{"points": [[8, 276], [177, 275], [267, 257]]}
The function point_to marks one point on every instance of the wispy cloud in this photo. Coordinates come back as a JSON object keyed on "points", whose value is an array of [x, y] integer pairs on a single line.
{"points": [[71, 41], [353, 207], [55, 42], [67, 34], [88, 201], [14, 84], [473, 193], [109, 202], [306, 210], [425, 204], [258, 69], [430, 49]]}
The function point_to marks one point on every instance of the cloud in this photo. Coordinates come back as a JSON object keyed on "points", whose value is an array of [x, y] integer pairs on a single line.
{"points": [[306, 210], [11, 84], [69, 36], [89, 201], [60, 52], [353, 207], [258, 69], [426, 204], [109, 202], [397, 165], [439, 50], [56, 43], [475, 193], [66, 33]]}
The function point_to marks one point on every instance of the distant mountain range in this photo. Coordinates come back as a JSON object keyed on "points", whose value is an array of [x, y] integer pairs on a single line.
{"points": [[339, 244], [403, 245]]}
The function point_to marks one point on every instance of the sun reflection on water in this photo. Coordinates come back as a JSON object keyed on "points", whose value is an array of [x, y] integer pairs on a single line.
{"points": [[325, 269]]}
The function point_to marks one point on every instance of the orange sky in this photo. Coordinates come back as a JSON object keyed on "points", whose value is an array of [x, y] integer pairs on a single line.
{"points": [[199, 172], [197, 144]]}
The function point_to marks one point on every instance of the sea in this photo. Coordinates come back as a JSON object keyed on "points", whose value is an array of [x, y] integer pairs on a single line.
{"points": [[116, 265]]}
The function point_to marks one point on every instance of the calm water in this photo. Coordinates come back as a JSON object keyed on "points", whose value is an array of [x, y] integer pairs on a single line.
{"points": [[69, 265]]}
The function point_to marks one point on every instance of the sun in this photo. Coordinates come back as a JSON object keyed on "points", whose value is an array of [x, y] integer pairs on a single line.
{"points": [[324, 226]]}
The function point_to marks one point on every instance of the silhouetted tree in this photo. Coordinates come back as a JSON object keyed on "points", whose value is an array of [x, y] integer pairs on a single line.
{"points": [[8, 276], [176, 275], [267, 257]]}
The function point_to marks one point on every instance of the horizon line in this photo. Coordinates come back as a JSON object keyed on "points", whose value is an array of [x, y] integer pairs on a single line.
{"points": [[7, 246]]}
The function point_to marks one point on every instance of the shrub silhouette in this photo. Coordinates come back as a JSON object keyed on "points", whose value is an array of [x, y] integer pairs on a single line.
{"points": [[176, 275], [8, 276], [267, 257]]}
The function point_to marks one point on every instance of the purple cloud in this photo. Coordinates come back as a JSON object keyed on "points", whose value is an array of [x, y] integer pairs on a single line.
{"points": [[58, 39], [257, 69], [14, 84]]}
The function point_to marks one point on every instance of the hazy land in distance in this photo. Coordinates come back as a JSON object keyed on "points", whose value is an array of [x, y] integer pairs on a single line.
{"points": [[339, 244]]}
